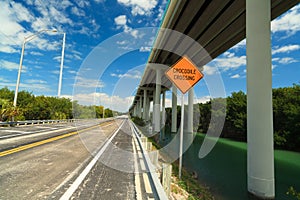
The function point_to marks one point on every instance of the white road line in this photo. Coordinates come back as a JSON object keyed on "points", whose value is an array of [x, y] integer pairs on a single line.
{"points": [[147, 183], [15, 131], [13, 135], [47, 127], [68, 194]]}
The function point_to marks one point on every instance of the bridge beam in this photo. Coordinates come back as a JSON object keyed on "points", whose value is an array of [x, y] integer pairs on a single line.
{"points": [[259, 100]]}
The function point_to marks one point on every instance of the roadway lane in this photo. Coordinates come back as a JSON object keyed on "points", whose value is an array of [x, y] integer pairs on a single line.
{"points": [[9, 132], [118, 173], [40, 172], [11, 137], [104, 182]]}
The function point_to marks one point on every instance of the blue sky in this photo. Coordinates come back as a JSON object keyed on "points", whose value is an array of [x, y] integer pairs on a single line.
{"points": [[107, 45]]}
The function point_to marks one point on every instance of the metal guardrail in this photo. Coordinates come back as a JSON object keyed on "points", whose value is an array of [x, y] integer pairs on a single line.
{"points": [[49, 121], [32, 122], [161, 194]]}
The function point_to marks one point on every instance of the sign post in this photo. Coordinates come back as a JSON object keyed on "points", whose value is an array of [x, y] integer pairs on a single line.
{"points": [[184, 74]]}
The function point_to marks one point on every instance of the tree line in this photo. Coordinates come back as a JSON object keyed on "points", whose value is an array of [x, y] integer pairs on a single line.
{"points": [[31, 107], [286, 116]]}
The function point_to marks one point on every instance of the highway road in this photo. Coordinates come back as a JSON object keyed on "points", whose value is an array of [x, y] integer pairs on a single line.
{"points": [[84, 164]]}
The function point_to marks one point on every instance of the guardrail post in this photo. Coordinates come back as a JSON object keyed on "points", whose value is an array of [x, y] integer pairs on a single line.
{"points": [[153, 155]]}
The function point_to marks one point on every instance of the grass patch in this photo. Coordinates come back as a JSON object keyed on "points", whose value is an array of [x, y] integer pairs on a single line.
{"points": [[188, 186]]}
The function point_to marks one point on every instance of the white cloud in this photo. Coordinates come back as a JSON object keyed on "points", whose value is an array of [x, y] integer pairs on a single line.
{"points": [[33, 87], [131, 75], [10, 27], [35, 53], [235, 76], [57, 58], [114, 102], [94, 24], [286, 49], [133, 32], [121, 22], [77, 11], [122, 42], [140, 7], [10, 66], [207, 70], [56, 72], [160, 14], [7, 49], [230, 61], [12, 32], [288, 23], [34, 81], [88, 83], [82, 3], [59, 16], [72, 72], [3, 80], [75, 55], [22, 13], [287, 60], [145, 49]]}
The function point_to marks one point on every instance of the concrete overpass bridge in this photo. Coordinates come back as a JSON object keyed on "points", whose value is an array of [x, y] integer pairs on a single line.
{"points": [[202, 30]]}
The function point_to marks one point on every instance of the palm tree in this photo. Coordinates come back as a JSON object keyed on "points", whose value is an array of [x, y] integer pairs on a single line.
{"points": [[7, 110]]}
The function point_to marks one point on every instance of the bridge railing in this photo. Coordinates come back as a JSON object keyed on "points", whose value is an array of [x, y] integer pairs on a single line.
{"points": [[32, 122], [154, 180], [49, 121]]}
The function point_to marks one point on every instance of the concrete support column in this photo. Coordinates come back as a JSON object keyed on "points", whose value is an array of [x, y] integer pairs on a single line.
{"points": [[156, 106], [174, 109], [147, 108], [163, 115], [140, 108], [153, 110], [134, 111], [137, 108], [259, 99], [145, 105], [190, 110]]}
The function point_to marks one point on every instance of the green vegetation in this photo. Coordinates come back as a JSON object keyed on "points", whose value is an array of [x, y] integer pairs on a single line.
{"points": [[138, 121], [188, 185], [286, 116], [191, 185], [294, 193], [31, 107]]}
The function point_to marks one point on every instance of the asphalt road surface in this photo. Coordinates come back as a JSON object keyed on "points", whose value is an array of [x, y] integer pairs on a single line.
{"points": [[51, 170]]}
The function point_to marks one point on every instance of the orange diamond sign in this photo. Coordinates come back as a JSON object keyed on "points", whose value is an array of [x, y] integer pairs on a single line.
{"points": [[184, 74]]}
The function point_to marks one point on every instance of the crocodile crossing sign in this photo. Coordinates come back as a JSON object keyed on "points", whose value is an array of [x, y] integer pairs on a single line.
{"points": [[184, 74]]}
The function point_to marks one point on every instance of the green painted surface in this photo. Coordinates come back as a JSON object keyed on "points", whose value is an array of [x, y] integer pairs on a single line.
{"points": [[224, 170]]}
